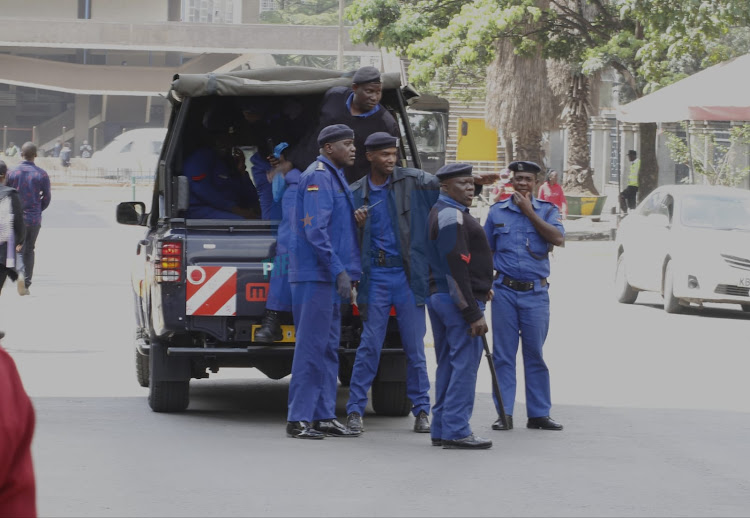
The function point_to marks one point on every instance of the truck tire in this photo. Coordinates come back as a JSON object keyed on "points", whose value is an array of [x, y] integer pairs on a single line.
{"points": [[169, 396], [389, 398], [169, 388], [346, 368], [141, 369]]}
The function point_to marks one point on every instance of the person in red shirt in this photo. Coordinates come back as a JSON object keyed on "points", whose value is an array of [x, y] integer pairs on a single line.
{"points": [[17, 484], [552, 192]]}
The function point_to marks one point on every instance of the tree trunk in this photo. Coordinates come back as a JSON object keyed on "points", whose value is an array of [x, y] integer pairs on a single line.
{"points": [[648, 174], [579, 178], [529, 146]]}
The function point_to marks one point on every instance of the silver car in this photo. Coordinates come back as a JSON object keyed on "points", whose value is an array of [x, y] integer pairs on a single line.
{"points": [[691, 243]]}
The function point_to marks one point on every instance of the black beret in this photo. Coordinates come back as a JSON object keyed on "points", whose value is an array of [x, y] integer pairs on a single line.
{"points": [[334, 133], [380, 140], [453, 171], [632, 152], [366, 75], [526, 167]]}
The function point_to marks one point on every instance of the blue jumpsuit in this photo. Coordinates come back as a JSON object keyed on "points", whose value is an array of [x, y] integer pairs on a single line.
{"points": [[279, 292], [521, 253], [323, 244], [388, 285], [460, 279], [215, 188]]}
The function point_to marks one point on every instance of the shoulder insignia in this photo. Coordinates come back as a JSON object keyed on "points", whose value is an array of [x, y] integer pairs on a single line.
{"points": [[466, 258], [320, 166], [199, 177], [312, 187]]}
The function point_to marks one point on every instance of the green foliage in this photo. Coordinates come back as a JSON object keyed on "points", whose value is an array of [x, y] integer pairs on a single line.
{"points": [[303, 12], [306, 60], [717, 163]]}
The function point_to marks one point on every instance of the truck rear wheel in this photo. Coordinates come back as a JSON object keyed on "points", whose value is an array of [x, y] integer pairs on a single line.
{"points": [[389, 398], [169, 396], [169, 380], [141, 369]]}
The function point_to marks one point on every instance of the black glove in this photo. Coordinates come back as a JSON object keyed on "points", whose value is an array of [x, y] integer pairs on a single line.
{"points": [[344, 285]]}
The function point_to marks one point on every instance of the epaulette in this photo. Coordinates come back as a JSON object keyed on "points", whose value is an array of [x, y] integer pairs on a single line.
{"points": [[320, 166]]}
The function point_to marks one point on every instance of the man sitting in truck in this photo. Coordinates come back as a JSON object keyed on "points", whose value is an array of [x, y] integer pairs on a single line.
{"points": [[220, 187]]}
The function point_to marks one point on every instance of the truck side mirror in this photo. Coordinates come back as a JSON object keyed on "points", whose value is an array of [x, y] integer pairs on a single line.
{"points": [[183, 193], [131, 213]]}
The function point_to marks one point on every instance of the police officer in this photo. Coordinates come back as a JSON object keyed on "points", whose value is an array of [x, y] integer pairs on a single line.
{"points": [[359, 108], [324, 264], [220, 187], [279, 293], [391, 273], [520, 231], [460, 285]]}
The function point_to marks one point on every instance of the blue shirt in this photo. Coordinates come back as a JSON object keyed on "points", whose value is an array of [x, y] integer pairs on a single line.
{"points": [[32, 184], [519, 251], [382, 236]]}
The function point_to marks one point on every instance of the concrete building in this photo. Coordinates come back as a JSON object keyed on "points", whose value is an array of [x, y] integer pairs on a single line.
{"points": [[80, 70]]}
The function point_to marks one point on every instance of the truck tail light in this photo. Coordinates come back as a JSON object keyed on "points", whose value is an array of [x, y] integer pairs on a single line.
{"points": [[168, 264]]}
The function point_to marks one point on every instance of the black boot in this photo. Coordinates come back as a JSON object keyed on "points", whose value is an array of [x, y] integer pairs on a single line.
{"points": [[270, 328]]}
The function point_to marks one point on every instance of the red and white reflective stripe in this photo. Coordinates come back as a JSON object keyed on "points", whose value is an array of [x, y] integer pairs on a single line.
{"points": [[211, 291]]}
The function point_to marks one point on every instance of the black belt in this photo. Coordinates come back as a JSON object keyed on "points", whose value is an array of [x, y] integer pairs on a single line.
{"points": [[380, 258], [521, 285]]}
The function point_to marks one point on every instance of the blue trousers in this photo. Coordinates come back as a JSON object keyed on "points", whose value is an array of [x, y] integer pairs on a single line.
{"points": [[389, 286], [458, 356], [525, 313], [279, 291], [317, 319]]}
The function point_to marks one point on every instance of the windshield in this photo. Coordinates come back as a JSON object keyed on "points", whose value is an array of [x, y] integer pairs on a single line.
{"points": [[428, 130], [716, 211]]}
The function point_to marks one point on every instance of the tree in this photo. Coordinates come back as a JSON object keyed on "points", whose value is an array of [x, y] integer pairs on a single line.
{"points": [[641, 39], [717, 163]]}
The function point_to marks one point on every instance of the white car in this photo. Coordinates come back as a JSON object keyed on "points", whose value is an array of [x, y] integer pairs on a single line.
{"points": [[134, 152], [690, 243]]}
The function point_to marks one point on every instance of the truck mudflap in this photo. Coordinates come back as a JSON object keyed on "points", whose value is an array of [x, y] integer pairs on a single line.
{"points": [[225, 291]]}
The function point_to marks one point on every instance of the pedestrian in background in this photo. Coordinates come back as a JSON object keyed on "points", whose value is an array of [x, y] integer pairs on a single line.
{"points": [[12, 149], [12, 228], [460, 285], [324, 264], [552, 191], [85, 150], [33, 186], [629, 195], [65, 154], [520, 231]]}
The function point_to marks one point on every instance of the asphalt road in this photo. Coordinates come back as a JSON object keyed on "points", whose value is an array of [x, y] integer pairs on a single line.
{"points": [[655, 408]]}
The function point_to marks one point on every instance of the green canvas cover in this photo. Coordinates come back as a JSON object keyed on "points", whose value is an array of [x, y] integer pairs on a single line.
{"points": [[268, 81]]}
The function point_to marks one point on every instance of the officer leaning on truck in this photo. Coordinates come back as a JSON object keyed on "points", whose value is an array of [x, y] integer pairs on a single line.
{"points": [[324, 264]]}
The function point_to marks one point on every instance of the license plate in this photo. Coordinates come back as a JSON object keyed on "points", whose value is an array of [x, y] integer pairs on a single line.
{"points": [[287, 332], [744, 282]]}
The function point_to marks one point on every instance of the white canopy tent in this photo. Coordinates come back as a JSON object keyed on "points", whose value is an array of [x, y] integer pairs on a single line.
{"points": [[719, 93]]}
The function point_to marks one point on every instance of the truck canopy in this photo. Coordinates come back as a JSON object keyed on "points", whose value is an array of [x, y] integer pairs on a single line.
{"points": [[276, 81]]}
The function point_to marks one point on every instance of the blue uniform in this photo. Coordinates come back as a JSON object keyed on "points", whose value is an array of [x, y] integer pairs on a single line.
{"points": [[387, 286], [269, 209], [460, 280], [215, 189], [323, 244], [279, 292], [521, 254]]}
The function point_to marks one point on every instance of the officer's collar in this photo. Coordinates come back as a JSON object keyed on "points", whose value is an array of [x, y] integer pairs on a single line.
{"points": [[374, 187], [330, 164], [361, 115], [453, 203]]}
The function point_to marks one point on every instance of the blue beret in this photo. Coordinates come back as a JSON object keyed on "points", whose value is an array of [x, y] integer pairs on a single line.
{"points": [[334, 133], [526, 167], [453, 171], [380, 140], [366, 75]]}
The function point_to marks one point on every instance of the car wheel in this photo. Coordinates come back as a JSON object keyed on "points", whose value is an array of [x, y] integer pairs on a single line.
{"points": [[671, 303], [626, 294], [141, 369], [165, 395], [389, 398]]}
